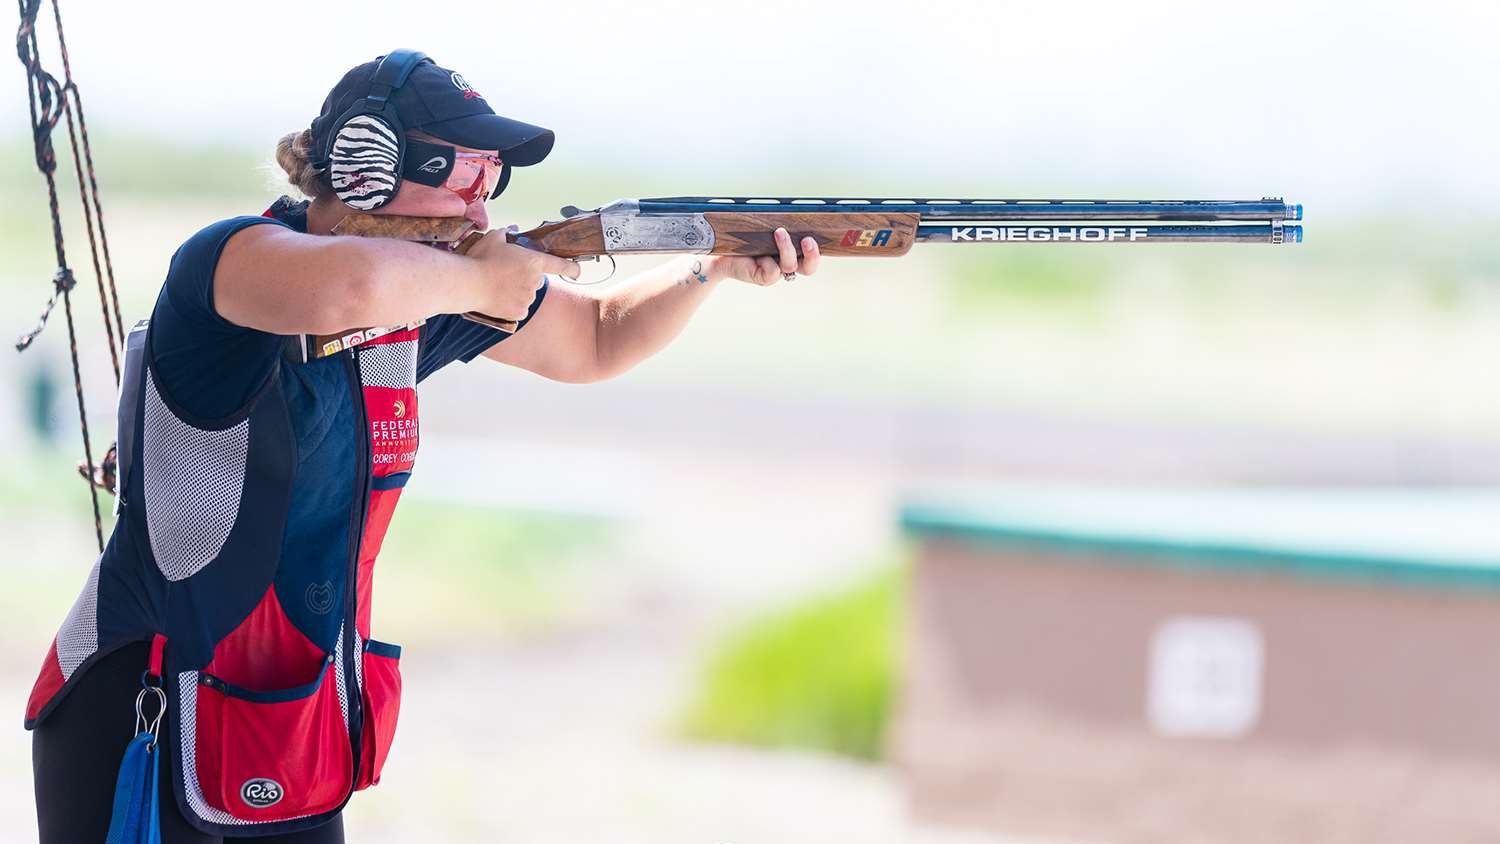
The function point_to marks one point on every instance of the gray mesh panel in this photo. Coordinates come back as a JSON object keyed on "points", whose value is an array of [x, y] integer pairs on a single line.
{"points": [[79, 636], [389, 364], [338, 675], [359, 668], [193, 482]]}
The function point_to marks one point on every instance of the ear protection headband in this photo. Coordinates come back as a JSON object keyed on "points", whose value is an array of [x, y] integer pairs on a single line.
{"points": [[365, 150]]}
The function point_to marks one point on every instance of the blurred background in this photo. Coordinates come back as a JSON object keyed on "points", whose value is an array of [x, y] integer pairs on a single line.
{"points": [[678, 606]]}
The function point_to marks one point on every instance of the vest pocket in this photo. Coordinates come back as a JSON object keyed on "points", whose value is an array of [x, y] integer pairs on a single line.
{"points": [[272, 755], [382, 704]]}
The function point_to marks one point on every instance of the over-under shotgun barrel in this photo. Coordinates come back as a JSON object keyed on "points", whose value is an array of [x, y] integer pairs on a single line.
{"points": [[934, 210]]}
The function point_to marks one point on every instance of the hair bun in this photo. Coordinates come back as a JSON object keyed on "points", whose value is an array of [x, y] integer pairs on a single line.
{"points": [[294, 155]]}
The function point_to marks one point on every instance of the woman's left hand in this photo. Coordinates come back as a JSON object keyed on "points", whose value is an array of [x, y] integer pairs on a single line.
{"points": [[765, 270]]}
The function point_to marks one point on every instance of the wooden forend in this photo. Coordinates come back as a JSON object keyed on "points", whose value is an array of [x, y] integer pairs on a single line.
{"points": [[865, 234]]}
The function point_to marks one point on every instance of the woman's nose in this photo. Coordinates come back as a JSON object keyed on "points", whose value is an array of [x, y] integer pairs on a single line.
{"points": [[476, 214]]}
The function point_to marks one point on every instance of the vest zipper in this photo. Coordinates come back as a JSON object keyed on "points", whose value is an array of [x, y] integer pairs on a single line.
{"points": [[352, 649]]}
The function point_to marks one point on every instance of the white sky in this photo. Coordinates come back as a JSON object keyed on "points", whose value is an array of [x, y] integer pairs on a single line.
{"points": [[1334, 104]]}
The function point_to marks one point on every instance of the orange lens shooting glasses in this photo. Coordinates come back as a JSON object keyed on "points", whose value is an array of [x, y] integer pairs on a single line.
{"points": [[474, 175]]}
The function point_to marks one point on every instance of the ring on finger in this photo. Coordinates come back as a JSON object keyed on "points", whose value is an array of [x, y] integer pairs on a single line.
{"points": [[788, 276]]}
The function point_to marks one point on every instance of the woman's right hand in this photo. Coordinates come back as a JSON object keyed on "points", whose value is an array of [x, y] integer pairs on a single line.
{"points": [[515, 274]]}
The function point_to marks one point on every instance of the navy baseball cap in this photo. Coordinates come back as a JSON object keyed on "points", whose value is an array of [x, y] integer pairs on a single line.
{"points": [[442, 103]]}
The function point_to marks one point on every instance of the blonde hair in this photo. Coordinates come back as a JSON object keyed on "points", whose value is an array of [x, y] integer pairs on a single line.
{"points": [[294, 153]]}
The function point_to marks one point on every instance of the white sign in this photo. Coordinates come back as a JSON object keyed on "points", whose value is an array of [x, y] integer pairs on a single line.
{"points": [[1205, 677]]}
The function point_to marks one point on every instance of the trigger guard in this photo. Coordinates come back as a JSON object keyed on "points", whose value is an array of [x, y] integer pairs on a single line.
{"points": [[613, 266]]}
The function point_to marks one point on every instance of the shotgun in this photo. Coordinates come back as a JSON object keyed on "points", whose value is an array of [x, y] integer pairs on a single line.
{"points": [[871, 228]]}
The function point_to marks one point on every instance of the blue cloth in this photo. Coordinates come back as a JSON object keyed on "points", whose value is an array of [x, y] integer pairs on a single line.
{"points": [[211, 367], [135, 818]]}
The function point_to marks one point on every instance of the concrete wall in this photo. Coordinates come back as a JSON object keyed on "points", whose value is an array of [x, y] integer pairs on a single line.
{"points": [[1029, 701]]}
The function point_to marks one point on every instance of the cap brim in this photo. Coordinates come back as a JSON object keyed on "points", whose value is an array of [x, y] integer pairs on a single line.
{"points": [[519, 144]]}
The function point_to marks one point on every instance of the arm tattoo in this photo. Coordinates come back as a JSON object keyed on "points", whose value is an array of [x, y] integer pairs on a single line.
{"points": [[696, 274]]}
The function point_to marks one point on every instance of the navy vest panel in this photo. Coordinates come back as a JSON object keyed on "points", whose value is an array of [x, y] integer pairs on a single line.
{"points": [[319, 530]]}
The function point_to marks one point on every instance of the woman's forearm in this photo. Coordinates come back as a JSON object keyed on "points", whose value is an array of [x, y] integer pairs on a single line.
{"points": [[404, 282], [285, 282], [644, 314]]}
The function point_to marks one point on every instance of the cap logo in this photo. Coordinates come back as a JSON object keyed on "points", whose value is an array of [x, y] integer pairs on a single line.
{"points": [[434, 164], [463, 85]]}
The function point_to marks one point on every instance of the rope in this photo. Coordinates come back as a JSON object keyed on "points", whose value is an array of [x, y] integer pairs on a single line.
{"points": [[50, 102], [73, 101]]}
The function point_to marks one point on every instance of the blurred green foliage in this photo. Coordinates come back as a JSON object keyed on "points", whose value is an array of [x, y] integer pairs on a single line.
{"points": [[820, 675], [466, 569], [44, 481], [1031, 276], [141, 165]]}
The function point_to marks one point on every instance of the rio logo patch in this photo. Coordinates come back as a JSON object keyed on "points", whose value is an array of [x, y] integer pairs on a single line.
{"points": [[261, 792], [866, 237]]}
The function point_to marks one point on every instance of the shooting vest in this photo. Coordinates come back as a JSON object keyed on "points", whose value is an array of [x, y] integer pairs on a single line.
{"points": [[242, 552]]}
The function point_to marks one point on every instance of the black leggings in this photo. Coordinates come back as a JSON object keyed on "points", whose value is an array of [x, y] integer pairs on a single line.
{"points": [[76, 753]]}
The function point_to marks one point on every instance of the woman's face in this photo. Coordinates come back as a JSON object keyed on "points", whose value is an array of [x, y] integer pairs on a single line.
{"points": [[416, 200]]}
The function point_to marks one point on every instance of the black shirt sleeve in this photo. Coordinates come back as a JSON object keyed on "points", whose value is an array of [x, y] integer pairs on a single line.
{"points": [[449, 337], [207, 365]]}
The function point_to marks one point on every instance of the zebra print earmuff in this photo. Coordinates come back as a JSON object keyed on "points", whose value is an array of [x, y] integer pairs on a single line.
{"points": [[365, 151]]}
